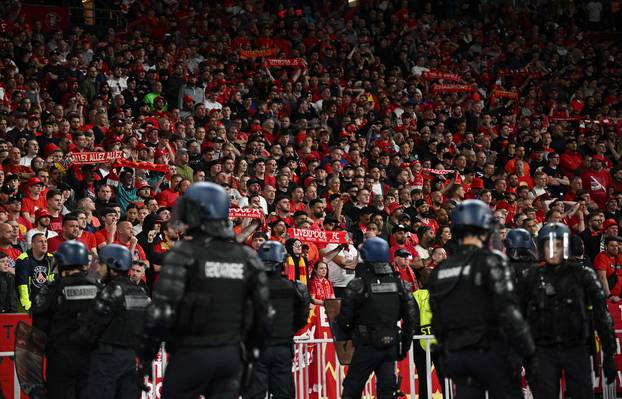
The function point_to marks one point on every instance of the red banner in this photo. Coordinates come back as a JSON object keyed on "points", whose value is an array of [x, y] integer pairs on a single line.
{"points": [[318, 236], [82, 158], [245, 54], [286, 62], [155, 167], [249, 213], [52, 18], [8, 322], [440, 172], [453, 88], [437, 75]]}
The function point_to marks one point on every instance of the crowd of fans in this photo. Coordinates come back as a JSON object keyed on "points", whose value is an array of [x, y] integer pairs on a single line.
{"points": [[374, 118]]}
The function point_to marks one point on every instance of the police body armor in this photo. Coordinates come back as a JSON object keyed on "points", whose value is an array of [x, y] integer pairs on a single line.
{"points": [[376, 320], [212, 310], [467, 320], [59, 306], [291, 304], [558, 309], [132, 302]]}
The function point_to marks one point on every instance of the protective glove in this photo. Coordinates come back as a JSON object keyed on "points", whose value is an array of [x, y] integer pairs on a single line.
{"points": [[531, 371], [610, 369]]}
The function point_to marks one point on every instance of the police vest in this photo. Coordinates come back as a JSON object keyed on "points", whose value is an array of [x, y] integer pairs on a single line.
{"points": [[376, 322], [212, 311], [74, 297], [557, 309], [425, 316], [125, 326], [462, 305], [283, 299]]}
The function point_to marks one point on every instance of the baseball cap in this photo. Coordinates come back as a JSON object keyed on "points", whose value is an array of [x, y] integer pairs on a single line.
{"points": [[400, 227], [34, 181], [42, 213], [402, 253]]}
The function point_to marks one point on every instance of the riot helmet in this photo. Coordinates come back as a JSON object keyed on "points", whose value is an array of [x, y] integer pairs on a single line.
{"points": [[204, 207], [116, 257], [554, 243], [71, 254], [272, 254], [520, 245], [471, 217], [375, 252]]}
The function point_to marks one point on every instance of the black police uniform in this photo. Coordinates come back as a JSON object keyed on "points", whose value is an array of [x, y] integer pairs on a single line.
{"points": [[474, 314], [114, 324], [370, 310], [57, 310], [273, 373], [211, 295], [563, 304]]}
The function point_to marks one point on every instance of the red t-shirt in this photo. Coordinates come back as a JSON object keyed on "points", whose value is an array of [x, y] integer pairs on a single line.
{"points": [[30, 205], [610, 265], [56, 223], [167, 198], [101, 236], [596, 183], [88, 239]]}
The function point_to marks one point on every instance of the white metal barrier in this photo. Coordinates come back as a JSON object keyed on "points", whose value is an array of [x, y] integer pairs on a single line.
{"points": [[302, 372]]}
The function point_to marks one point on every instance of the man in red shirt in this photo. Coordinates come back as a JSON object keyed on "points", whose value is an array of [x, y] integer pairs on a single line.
{"points": [[608, 265], [7, 236], [107, 234], [70, 231], [125, 236], [169, 196], [400, 242], [84, 236], [33, 200], [597, 180], [401, 264], [54, 200], [570, 160]]}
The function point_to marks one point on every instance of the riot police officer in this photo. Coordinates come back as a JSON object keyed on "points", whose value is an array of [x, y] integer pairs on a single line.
{"points": [[474, 312], [56, 310], [114, 323], [563, 302], [521, 250], [291, 301], [210, 303], [370, 310]]}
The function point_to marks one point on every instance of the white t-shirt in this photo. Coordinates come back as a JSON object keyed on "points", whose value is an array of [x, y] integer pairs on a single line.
{"points": [[336, 274]]}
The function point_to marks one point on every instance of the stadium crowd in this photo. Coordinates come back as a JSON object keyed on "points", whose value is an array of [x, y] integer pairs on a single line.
{"points": [[374, 120]]}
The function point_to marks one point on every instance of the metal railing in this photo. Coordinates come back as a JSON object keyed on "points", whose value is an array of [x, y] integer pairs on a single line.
{"points": [[302, 373]]}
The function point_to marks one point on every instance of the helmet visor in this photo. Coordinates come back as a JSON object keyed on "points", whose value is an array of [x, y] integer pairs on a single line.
{"points": [[556, 247]]}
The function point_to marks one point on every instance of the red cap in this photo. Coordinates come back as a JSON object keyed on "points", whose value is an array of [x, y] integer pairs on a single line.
{"points": [[33, 181], [600, 158], [50, 148], [477, 183], [41, 213], [188, 99], [608, 223], [309, 180], [158, 153], [142, 185]]}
